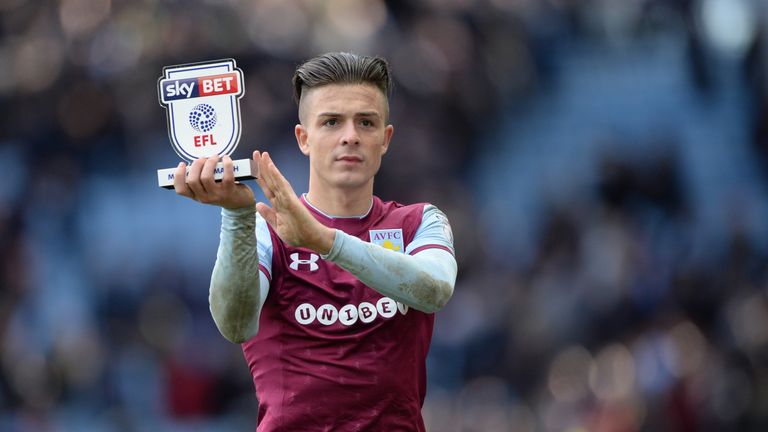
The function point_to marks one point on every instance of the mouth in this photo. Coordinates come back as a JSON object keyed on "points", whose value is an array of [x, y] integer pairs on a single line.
{"points": [[350, 159]]}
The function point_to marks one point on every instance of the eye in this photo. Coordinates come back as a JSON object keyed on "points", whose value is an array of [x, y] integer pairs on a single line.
{"points": [[366, 122], [331, 122]]}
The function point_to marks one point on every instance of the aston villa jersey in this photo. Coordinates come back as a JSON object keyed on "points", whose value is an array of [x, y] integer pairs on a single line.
{"points": [[331, 353]]}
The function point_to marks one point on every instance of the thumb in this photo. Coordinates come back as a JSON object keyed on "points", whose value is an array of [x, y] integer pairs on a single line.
{"points": [[267, 213]]}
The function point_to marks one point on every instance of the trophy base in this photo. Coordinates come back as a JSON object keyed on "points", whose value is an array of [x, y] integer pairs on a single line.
{"points": [[245, 169]]}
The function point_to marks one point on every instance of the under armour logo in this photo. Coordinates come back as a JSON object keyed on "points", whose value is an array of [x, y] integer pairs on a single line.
{"points": [[312, 261]]}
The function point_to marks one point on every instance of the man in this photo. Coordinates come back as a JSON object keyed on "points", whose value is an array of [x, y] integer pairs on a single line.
{"points": [[331, 294]]}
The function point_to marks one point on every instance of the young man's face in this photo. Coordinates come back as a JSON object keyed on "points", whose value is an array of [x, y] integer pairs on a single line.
{"points": [[343, 130]]}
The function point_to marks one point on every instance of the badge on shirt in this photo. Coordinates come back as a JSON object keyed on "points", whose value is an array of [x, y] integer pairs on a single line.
{"points": [[391, 239]]}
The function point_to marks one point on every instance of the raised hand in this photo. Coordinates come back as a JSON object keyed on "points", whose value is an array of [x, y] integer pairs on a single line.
{"points": [[288, 216], [201, 186]]}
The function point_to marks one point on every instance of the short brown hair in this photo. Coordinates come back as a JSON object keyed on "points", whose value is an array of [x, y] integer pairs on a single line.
{"points": [[341, 68]]}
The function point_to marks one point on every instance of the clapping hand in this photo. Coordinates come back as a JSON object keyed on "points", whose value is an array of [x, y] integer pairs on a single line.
{"points": [[288, 217]]}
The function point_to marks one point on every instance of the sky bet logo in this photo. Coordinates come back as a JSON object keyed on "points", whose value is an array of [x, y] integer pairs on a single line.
{"points": [[202, 101], [200, 87]]}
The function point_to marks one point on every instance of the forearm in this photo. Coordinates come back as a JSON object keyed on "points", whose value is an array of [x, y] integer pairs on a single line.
{"points": [[234, 295], [423, 281]]}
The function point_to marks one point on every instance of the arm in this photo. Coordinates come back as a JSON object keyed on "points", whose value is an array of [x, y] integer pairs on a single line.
{"points": [[237, 290], [423, 281], [236, 293]]}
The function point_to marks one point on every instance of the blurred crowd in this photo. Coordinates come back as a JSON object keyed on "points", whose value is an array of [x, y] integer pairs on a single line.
{"points": [[603, 163]]}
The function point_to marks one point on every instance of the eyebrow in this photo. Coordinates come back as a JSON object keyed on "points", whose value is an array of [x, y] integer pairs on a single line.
{"points": [[359, 114]]}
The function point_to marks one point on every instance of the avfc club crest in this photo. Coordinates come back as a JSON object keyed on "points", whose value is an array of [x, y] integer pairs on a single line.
{"points": [[391, 239], [202, 102]]}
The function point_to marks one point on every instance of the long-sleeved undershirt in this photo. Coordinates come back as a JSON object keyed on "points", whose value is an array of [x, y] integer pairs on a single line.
{"points": [[423, 281]]}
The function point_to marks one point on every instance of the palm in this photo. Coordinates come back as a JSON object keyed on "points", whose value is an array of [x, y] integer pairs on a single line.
{"points": [[286, 225], [288, 217]]}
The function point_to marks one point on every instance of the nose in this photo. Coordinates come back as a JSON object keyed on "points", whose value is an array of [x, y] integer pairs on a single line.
{"points": [[349, 134]]}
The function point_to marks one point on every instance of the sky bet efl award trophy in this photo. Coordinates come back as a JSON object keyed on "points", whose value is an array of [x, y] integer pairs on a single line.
{"points": [[202, 101]]}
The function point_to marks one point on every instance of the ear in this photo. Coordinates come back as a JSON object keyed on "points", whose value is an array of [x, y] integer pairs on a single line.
{"points": [[302, 138], [388, 131]]}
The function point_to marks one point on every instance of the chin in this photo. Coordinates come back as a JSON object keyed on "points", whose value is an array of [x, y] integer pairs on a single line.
{"points": [[347, 181]]}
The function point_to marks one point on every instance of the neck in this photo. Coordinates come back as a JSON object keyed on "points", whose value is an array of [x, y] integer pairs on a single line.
{"points": [[341, 202]]}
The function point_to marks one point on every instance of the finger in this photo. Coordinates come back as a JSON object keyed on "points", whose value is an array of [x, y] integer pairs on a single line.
{"points": [[270, 176], [228, 179], [256, 156], [264, 166], [278, 182], [180, 181], [260, 179], [265, 189], [207, 175], [257, 159], [278, 176], [193, 178], [268, 214]]}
